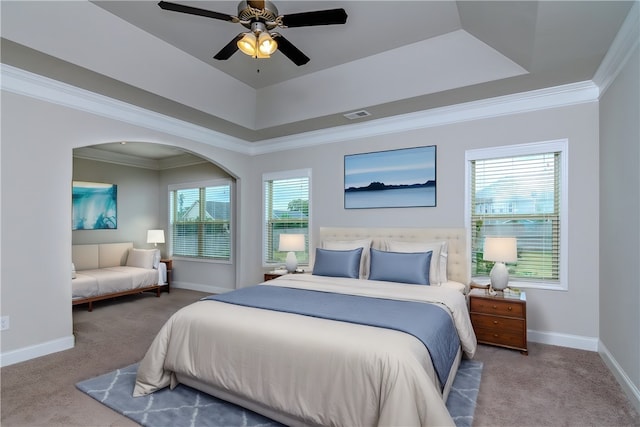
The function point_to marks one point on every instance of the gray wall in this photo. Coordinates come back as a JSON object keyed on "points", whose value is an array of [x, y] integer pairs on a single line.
{"points": [[138, 202], [620, 225]]}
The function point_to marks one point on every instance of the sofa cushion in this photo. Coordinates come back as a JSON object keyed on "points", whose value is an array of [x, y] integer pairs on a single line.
{"points": [[85, 257], [141, 258]]}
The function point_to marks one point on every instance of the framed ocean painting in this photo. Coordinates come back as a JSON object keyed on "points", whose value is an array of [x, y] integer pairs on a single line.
{"points": [[94, 206], [391, 179]]}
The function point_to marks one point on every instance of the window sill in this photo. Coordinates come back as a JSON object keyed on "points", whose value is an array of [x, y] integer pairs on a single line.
{"points": [[514, 283]]}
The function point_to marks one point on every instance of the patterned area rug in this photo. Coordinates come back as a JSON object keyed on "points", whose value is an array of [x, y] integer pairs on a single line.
{"points": [[184, 406]]}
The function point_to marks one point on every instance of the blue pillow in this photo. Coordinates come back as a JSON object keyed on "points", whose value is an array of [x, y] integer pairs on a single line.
{"points": [[400, 267], [337, 263]]}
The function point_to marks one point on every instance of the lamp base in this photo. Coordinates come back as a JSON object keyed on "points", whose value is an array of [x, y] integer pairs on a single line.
{"points": [[499, 276], [291, 263]]}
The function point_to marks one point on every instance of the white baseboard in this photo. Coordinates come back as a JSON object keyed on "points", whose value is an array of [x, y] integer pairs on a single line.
{"points": [[563, 340], [629, 388], [33, 351], [200, 287]]}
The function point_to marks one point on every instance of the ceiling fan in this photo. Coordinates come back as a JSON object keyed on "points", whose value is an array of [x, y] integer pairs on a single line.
{"points": [[260, 17]]}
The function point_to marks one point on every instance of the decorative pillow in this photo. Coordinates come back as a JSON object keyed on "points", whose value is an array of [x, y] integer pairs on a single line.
{"points": [[444, 256], [342, 245], [415, 247], [141, 258], [337, 263], [402, 267], [156, 259]]}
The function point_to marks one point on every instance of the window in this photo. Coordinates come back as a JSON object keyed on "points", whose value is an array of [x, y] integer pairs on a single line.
{"points": [[520, 191], [200, 220], [286, 202]]}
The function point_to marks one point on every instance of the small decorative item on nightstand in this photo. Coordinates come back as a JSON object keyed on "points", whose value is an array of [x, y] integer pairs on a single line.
{"points": [[499, 320]]}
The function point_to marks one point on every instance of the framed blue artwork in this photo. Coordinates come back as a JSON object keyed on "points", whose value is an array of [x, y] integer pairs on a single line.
{"points": [[94, 206], [391, 179]]}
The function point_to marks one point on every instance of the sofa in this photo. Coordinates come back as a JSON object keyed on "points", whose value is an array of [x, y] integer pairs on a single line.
{"points": [[109, 270]]}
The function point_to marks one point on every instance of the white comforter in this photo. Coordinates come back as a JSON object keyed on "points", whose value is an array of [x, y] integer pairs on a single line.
{"points": [[317, 371]]}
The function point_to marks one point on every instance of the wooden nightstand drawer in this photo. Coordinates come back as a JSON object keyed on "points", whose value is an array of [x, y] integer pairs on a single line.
{"points": [[495, 306], [504, 324], [503, 338]]}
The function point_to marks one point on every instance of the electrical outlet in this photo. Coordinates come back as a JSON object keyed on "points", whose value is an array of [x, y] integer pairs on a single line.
{"points": [[4, 323]]}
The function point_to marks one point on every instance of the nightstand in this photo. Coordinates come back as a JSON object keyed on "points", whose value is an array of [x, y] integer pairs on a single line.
{"points": [[271, 276], [169, 264], [499, 320]]}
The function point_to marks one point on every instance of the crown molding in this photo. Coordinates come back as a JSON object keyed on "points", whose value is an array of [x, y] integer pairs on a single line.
{"points": [[89, 153], [35, 86], [559, 96], [45, 89], [623, 45]]}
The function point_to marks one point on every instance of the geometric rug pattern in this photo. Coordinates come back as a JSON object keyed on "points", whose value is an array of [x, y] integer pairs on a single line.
{"points": [[185, 406]]}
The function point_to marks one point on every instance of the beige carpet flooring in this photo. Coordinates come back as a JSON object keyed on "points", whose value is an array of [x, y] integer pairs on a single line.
{"points": [[553, 386]]}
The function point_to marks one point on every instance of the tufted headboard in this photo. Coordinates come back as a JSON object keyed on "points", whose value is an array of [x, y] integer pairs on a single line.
{"points": [[458, 259]]}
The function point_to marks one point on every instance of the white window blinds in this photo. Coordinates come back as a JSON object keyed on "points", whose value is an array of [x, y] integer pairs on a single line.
{"points": [[200, 221], [519, 196], [286, 198]]}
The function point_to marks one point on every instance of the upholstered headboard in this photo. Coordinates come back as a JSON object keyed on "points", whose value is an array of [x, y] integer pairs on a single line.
{"points": [[101, 255], [458, 258]]}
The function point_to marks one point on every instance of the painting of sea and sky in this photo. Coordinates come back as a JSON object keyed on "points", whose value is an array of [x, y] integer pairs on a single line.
{"points": [[391, 179], [94, 205]]}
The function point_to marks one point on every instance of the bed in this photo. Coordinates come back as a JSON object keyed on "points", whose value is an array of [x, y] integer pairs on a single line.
{"points": [[379, 362], [109, 270]]}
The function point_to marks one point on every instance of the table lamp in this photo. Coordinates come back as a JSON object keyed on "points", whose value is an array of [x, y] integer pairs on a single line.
{"points": [[291, 243], [155, 237], [500, 250]]}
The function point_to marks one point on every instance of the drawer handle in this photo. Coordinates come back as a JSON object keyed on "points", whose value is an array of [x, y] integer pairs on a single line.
{"points": [[495, 322], [510, 308], [495, 335], [495, 306]]}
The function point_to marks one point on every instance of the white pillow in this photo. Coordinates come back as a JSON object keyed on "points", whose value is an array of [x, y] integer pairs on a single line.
{"points": [[141, 258], [73, 271], [156, 258], [435, 278], [345, 245]]}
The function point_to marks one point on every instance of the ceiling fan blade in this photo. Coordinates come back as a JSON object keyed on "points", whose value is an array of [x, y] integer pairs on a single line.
{"points": [[231, 48], [195, 11], [290, 51], [319, 17]]}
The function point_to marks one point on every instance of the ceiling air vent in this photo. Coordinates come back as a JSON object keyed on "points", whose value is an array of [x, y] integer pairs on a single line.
{"points": [[357, 114]]}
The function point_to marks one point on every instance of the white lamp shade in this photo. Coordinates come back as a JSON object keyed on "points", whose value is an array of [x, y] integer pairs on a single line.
{"points": [[500, 249], [291, 243], [155, 236]]}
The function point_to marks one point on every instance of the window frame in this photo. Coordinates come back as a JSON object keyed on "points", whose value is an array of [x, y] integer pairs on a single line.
{"points": [[284, 175], [552, 146], [216, 182]]}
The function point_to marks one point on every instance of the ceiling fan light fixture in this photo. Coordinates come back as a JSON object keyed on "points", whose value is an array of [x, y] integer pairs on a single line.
{"points": [[247, 44], [266, 44], [257, 43]]}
